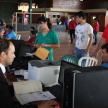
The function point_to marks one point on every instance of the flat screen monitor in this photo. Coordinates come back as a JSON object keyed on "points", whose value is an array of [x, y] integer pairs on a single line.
{"points": [[23, 50], [65, 65]]}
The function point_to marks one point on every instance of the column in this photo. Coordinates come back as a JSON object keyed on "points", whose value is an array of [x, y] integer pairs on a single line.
{"points": [[30, 10]]}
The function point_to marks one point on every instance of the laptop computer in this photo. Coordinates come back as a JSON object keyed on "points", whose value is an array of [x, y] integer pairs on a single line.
{"points": [[57, 90]]}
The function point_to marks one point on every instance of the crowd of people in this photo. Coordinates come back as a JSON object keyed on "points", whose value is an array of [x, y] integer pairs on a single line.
{"points": [[48, 39]]}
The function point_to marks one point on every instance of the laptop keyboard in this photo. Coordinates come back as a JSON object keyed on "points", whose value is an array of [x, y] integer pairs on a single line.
{"points": [[57, 91]]}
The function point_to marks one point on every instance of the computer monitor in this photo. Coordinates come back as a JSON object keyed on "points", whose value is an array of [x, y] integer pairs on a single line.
{"points": [[85, 87], [65, 65], [24, 49], [17, 44]]}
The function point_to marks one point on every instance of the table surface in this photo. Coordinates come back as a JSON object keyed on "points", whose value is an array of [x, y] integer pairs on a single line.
{"points": [[13, 78]]}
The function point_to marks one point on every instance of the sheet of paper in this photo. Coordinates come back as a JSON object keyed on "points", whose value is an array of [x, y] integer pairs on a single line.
{"points": [[37, 96], [17, 72], [27, 86]]}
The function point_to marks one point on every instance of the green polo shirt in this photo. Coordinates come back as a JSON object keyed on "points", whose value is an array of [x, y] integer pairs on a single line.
{"points": [[50, 38]]}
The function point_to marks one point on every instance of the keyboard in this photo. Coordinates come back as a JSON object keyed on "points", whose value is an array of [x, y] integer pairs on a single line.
{"points": [[57, 91]]}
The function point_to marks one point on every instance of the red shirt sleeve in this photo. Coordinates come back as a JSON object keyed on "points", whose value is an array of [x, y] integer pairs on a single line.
{"points": [[105, 33], [29, 40]]}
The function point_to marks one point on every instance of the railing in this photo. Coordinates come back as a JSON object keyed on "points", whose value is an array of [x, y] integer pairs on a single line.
{"points": [[15, 15]]}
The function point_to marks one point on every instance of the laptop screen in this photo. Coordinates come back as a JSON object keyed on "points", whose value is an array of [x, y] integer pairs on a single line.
{"points": [[65, 65], [23, 50]]}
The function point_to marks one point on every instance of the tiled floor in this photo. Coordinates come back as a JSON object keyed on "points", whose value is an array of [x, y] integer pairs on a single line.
{"points": [[65, 47]]}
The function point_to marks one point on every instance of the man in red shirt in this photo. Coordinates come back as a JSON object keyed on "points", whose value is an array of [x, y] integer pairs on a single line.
{"points": [[23, 16], [96, 30], [72, 25], [103, 40]]}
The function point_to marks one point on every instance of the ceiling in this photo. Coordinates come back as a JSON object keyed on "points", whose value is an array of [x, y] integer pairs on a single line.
{"points": [[19, 1]]}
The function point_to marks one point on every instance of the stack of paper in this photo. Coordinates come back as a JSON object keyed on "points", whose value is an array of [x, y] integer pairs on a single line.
{"points": [[28, 91], [37, 96]]}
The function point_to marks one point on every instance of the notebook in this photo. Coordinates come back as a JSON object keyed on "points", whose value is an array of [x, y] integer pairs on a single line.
{"points": [[57, 90]]}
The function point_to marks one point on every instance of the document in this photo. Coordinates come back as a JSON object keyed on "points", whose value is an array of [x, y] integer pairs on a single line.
{"points": [[37, 96], [27, 86]]}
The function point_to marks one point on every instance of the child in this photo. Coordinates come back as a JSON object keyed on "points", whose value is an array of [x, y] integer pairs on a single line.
{"points": [[32, 29], [32, 38]]}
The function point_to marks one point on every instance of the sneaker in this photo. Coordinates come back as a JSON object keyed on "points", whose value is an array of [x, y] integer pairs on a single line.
{"points": [[94, 44]]}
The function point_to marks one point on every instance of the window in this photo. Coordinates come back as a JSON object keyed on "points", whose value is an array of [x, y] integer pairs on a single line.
{"points": [[56, 16]]}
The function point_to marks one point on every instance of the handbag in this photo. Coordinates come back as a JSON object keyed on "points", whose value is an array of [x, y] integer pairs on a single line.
{"points": [[42, 53]]}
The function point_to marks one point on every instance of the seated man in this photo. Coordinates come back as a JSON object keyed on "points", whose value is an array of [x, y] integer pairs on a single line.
{"points": [[11, 34], [7, 56], [105, 55]]}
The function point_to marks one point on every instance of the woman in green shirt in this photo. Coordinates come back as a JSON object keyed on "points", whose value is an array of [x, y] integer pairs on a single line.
{"points": [[47, 38]]}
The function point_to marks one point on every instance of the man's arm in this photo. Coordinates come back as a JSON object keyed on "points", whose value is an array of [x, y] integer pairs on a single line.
{"points": [[101, 43], [4, 24], [90, 42]]}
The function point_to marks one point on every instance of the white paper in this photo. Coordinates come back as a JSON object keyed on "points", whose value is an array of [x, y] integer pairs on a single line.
{"points": [[17, 72], [27, 86], [37, 96], [22, 72], [25, 74]]}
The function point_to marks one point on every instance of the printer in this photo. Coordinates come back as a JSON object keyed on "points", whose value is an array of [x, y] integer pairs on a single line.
{"points": [[45, 71]]}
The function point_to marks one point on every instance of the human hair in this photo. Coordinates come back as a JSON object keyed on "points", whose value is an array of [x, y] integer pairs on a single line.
{"points": [[4, 46], [72, 16], [32, 28], [96, 19], [33, 32], [45, 19], [7, 26], [105, 46], [81, 14], [1, 30], [10, 27]]}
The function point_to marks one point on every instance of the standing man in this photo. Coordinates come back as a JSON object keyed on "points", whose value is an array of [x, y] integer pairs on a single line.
{"points": [[7, 56], [72, 25], [58, 21], [96, 30], [23, 16], [2, 23], [66, 23], [83, 37]]}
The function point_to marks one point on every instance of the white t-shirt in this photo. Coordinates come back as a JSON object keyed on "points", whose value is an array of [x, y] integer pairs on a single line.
{"points": [[2, 68], [82, 32], [70, 20]]}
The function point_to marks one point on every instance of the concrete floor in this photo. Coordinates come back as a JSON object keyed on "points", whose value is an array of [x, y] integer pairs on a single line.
{"points": [[65, 47]]}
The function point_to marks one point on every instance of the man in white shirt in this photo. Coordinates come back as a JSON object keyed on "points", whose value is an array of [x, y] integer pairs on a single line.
{"points": [[83, 37]]}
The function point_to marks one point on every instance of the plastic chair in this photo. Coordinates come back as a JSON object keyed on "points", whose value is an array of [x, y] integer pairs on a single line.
{"points": [[90, 61], [69, 58], [18, 36]]}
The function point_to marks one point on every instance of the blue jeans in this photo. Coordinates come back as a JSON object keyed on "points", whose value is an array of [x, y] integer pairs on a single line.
{"points": [[23, 19], [95, 37], [79, 53]]}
